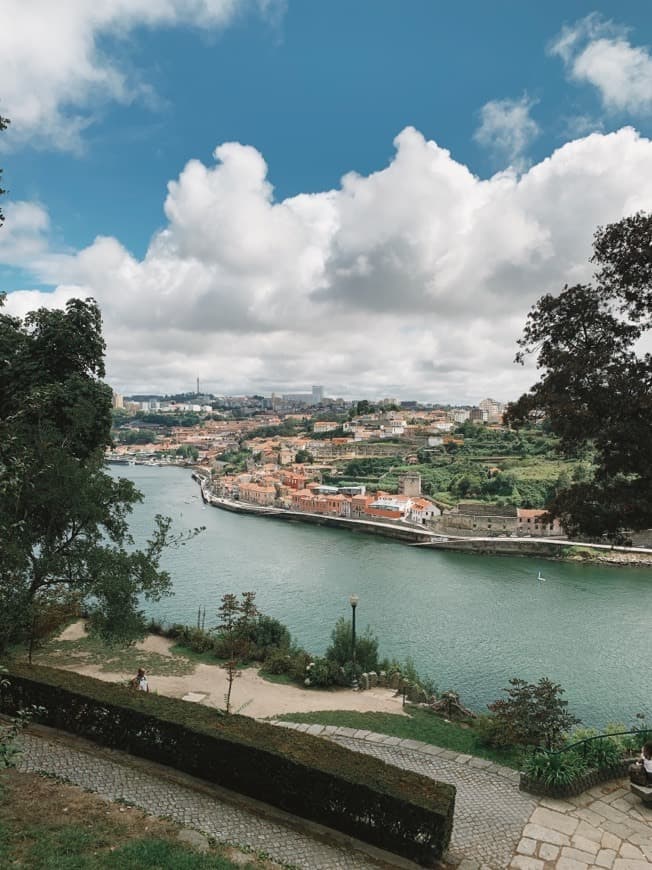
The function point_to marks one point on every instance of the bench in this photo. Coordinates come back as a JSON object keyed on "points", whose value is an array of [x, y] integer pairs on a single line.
{"points": [[643, 791]]}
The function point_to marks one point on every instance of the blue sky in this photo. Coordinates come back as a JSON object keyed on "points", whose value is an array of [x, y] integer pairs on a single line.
{"points": [[414, 279]]}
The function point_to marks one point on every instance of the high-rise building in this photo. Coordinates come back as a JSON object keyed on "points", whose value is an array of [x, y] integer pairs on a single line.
{"points": [[118, 400], [317, 394]]}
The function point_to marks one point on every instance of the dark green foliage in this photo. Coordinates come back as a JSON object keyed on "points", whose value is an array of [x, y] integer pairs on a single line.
{"points": [[602, 753], [533, 714], [554, 770], [341, 648], [322, 673], [267, 635], [356, 794], [596, 386], [137, 436], [64, 529], [303, 456], [287, 428]]}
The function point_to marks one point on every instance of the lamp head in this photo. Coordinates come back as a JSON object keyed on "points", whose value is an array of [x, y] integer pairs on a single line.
{"points": [[353, 600]]}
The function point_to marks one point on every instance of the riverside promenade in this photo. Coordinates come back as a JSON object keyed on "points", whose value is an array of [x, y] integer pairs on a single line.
{"points": [[496, 826], [419, 536]]}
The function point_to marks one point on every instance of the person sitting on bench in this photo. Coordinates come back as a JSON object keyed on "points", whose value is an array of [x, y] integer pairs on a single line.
{"points": [[641, 772]]}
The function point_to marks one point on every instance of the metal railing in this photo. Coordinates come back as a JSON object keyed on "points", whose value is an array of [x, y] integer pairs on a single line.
{"points": [[644, 733]]}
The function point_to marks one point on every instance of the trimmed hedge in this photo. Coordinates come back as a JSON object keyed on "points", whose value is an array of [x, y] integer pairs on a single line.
{"points": [[397, 810]]}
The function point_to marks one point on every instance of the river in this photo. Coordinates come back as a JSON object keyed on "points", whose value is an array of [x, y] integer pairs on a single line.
{"points": [[468, 621]]}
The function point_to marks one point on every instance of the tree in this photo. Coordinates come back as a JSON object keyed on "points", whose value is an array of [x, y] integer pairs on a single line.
{"points": [[366, 646], [64, 534], [236, 620], [596, 387], [533, 714], [4, 123]]}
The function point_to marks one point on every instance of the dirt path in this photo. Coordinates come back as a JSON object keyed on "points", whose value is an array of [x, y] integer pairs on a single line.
{"points": [[251, 694]]}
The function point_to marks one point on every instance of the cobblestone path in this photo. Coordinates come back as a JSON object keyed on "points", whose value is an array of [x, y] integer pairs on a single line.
{"points": [[490, 811], [496, 826], [225, 822], [499, 828]]}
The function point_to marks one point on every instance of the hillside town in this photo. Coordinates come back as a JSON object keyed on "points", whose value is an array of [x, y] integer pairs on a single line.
{"points": [[291, 453]]}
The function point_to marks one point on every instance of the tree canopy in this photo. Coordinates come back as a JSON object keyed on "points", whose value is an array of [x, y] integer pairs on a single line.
{"points": [[64, 534], [595, 389]]}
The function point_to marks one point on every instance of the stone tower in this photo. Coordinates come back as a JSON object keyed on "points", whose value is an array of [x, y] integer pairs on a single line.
{"points": [[410, 483]]}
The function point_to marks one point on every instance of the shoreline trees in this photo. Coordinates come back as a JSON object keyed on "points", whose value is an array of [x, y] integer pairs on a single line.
{"points": [[64, 533]]}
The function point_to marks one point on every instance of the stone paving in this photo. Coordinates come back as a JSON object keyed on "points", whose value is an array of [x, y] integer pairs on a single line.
{"points": [[227, 823], [496, 826], [606, 827], [490, 811]]}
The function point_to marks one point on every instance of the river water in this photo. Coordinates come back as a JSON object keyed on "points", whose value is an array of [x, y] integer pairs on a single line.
{"points": [[468, 621]]}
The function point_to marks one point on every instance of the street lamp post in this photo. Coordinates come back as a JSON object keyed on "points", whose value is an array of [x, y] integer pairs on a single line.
{"points": [[353, 601]]}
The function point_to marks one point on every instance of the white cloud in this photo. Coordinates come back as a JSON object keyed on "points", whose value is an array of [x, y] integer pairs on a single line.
{"points": [[54, 73], [507, 128], [414, 280], [599, 53]]}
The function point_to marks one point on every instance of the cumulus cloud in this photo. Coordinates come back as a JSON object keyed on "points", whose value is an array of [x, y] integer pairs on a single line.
{"points": [[414, 280], [55, 67], [507, 128], [599, 53]]}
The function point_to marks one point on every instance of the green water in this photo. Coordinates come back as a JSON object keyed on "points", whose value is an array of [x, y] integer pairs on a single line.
{"points": [[470, 622]]}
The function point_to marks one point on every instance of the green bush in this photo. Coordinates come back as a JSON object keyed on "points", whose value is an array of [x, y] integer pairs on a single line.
{"points": [[554, 769], [266, 636], [533, 714], [322, 673], [488, 732], [634, 742], [366, 646], [602, 753], [277, 662], [200, 641]]}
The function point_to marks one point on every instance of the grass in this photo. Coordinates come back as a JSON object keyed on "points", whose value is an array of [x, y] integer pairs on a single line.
{"points": [[538, 468], [418, 725], [280, 679], [48, 825], [110, 658], [206, 658]]}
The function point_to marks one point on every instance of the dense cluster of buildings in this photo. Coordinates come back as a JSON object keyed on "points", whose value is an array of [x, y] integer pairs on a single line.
{"points": [[297, 489], [273, 478]]}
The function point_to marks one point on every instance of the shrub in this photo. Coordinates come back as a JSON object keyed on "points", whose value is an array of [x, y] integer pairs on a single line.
{"points": [[487, 731], [634, 742], [533, 714], [198, 640], [321, 673], [602, 753], [278, 662], [554, 769], [266, 635], [366, 646]]}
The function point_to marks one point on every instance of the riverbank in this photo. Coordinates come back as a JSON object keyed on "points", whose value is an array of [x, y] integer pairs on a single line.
{"points": [[546, 548]]}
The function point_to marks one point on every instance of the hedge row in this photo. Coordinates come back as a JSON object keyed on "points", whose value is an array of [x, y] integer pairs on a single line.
{"points": [[400, 811]]}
